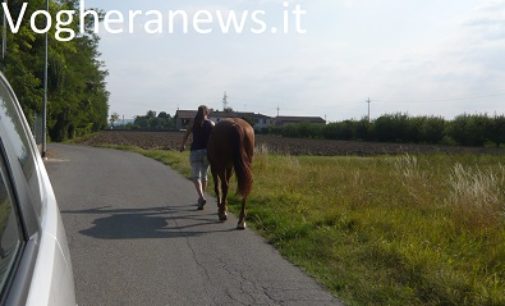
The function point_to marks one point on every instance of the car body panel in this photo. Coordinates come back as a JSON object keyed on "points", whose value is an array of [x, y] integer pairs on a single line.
{"points": [[43, 275]]}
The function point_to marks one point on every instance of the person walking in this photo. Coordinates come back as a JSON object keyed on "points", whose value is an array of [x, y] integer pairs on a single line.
{"points": [[201, 128]]}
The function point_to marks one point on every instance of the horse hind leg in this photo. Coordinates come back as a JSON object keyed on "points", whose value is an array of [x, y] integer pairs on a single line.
{"points": [[219, 198], [241, 220], [216, 185], [223, 214]]}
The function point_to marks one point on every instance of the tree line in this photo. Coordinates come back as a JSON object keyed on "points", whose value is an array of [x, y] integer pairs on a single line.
{"points": [[77, 95], [150, 121], [466, 130]]}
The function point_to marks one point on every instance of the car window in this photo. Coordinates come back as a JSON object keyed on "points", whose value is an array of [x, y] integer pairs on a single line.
{"points": [[19, 143], [10, 233]]}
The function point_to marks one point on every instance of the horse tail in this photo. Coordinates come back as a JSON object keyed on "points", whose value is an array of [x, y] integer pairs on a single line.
{"points": [[242, 155]]}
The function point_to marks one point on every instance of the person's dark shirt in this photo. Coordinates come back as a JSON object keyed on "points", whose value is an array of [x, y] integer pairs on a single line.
{"points": [[201, 135]]}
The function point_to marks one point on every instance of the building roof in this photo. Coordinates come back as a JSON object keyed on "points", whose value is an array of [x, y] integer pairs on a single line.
{"points": [[221, 114], [261, 116], [218, 114], [186, 114], [190, 114], [300, 119]]}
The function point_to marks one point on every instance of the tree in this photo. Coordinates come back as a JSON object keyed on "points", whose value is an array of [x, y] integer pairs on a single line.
{"points": [[151, 114], [77, 94], [152, 122], [113, 118], [498, 131], [163, 115]]}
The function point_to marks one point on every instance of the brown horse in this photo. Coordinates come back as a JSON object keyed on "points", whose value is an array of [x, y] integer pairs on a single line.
{"points": [[231, 147]]}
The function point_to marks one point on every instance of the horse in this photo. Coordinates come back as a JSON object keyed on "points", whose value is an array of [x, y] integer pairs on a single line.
{"points": [[231, 149]]}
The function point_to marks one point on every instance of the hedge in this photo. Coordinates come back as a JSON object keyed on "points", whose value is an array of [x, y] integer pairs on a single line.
{"points": [[466, 130]]}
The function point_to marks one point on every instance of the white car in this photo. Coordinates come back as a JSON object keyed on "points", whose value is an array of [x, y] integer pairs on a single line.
{"points": [[35, 265]]}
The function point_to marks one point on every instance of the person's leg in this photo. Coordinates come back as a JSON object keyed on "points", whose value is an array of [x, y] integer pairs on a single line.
{"points": [[199, 189], [204, 186], [205, 172], [196, 174], [202, 201]]}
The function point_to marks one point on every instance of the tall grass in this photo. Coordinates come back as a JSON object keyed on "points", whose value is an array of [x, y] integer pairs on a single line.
{"points": [[477, 197], [408, 230]]}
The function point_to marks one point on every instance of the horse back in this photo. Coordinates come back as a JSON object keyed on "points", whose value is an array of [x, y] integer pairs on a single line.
{"points": [[223, 134]]}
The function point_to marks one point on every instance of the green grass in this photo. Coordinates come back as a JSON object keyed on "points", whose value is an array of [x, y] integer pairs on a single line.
{"points": [[81, 139], [409, 230]]}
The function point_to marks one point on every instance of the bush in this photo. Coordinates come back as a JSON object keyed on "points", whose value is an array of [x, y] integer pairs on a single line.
{"points": [[364, 130], [339, 131], [348, 130], [433, 130], [498, 131], [395, 128], [467, 130], [304, 130], [471, 130]]}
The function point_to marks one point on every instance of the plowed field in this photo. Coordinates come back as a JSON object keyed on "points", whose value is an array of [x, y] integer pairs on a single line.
{"points": [[275, 144]]}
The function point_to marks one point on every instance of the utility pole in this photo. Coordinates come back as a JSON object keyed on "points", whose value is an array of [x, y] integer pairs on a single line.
{"points": [[278, 111], [225, 102], [369, 102], [44, 103]]}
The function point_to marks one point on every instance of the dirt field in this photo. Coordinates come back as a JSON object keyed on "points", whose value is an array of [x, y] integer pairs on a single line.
{"points": [[275, 144]]}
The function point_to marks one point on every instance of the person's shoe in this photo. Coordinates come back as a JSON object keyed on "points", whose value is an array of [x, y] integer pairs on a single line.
{"points": [[201, 204]]}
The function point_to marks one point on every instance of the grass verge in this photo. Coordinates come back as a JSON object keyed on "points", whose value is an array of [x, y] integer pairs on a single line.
{"points": [[408, 230]]}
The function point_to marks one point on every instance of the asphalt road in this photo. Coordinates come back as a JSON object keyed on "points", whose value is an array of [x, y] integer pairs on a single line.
{"points": [[136, 239]]}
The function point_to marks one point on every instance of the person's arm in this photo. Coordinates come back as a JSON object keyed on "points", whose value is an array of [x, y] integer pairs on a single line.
{"points": [[184, 140]]}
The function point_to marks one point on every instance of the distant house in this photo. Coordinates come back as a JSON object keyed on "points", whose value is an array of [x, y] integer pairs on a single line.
{"points": [[285, 120], [184, 117], [123, 122], [218, 116], [262, 122], [258, 121]]}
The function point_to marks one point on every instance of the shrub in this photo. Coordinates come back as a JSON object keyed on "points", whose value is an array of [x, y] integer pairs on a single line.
{"points": [[339, 130], [364, 130], [471, 130], [498, 131], [467, 130], [303, 130], [432, 130], [394, 128]]}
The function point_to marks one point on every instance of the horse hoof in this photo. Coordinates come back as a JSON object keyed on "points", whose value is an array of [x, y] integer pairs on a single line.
{"points": [[223, 217], [242, 226]]}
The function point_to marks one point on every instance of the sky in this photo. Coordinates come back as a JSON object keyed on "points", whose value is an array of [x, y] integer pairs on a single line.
{"points": [[427, 57]]}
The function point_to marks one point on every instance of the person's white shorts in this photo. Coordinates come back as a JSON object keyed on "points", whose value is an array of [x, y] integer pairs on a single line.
{"points": [[199, 165]]}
